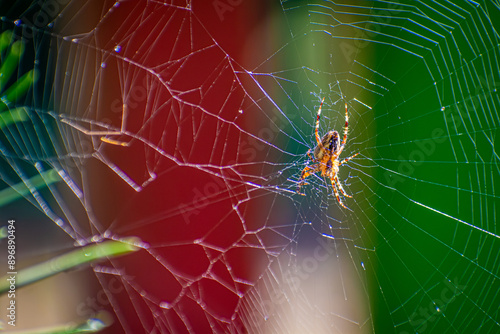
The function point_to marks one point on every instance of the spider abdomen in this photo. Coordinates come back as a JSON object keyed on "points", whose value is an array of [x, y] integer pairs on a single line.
{"points": [[329, 145]]}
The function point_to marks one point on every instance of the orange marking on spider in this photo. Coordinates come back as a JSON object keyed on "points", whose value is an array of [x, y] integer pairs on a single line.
{"points": [[325, 157]]}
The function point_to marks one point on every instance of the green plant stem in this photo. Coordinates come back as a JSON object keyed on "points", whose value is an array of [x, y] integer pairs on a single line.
{"points": [[20, 190], [91, 325], [13, 115], [10, 63], [21, 86], [78, 257], [5, 39]]}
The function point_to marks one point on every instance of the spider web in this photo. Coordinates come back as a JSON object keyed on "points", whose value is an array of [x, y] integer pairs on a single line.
{"points": [[186, 124]]}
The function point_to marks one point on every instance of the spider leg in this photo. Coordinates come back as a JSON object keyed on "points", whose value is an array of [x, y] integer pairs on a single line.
{"points": [[339, 185], [318, 140], [335, 180], [347, 159], [308, 170], [309, 155]]}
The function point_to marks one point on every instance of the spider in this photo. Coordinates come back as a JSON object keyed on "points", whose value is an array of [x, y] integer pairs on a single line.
{"points": [[326, 157]]}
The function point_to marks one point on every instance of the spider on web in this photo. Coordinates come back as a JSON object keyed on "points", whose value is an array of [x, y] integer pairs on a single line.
{"points": [[325, 157]]}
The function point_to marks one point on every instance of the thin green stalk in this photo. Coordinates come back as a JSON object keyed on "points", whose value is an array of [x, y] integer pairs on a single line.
{"points": [[5, 39], [78, 257], [10, 63], [20, 190], [21, 86], [13, 115], [91, 325]]}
